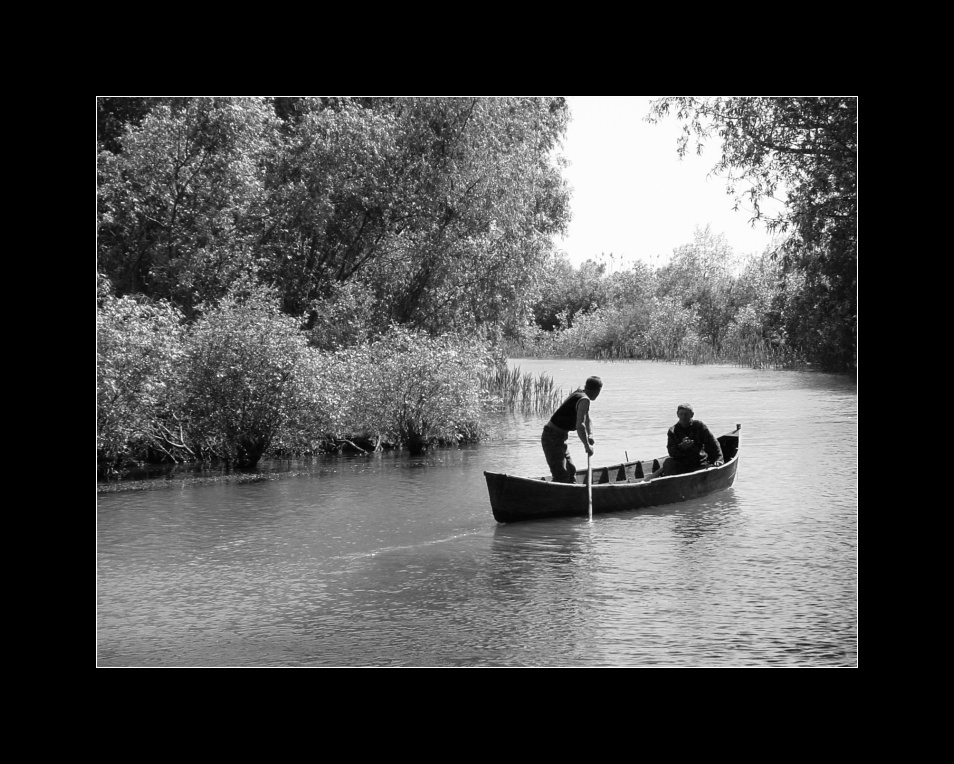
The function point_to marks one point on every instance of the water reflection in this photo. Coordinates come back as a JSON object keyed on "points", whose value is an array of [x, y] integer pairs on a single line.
{"points": [[542, 572], [699, 519], [541, 564]]}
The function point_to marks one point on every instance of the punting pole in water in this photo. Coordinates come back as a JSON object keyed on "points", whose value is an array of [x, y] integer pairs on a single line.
{"points": [[589, 484]]}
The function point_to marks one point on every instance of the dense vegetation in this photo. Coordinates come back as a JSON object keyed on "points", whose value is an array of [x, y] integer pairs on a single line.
{"points": [[706, 305], [807, 146], [294, 275], [435, 213]]}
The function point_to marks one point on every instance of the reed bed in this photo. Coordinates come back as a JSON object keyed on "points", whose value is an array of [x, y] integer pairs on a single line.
{"points": [[760, 355], [521, 391], [764, 356]]}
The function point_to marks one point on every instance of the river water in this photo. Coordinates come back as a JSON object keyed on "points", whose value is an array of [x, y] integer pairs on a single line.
{"points": [[396, 561]]}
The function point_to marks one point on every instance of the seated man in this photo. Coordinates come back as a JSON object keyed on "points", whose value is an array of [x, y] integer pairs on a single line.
{"points": [[690, 444]]}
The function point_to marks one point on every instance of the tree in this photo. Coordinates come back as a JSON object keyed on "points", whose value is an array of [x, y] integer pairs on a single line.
{"points": [[566, 291], [115, 114], [634, 286], [806, 147], [442, 208], [699, 276], [445, 207], [180, 202]]}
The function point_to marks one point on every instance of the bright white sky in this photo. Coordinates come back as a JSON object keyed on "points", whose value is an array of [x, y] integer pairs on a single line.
{"points": [[631, 194]]}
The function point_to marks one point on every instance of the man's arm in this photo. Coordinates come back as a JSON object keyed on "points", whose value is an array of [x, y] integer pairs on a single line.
{"points": [[713, 449], [672, 444], [583, 424]]}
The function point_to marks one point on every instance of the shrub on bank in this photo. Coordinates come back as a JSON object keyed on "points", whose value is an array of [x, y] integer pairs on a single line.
{"points": [[247, 374], [243, 383], [138, 354], [404, 389]]}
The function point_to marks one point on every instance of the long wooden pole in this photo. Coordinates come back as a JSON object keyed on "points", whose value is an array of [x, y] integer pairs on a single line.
{"points": [[589, 484]]}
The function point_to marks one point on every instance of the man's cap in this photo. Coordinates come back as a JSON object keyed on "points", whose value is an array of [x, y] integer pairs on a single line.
{"points": [[685, 406]]}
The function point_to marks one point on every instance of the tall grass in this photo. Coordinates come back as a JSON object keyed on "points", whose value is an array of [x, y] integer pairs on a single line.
{"points": [[521, 391], [758, 354], [765, 355]]}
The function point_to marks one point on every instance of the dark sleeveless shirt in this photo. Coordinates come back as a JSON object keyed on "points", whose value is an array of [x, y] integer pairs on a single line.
{"points": [[565, 416]]}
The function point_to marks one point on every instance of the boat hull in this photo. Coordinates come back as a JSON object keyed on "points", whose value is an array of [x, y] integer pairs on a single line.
{"points": [[616, 488]]}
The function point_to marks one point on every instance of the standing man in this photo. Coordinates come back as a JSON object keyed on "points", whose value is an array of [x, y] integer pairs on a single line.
{"points": [[573, 414], [690, 444]]}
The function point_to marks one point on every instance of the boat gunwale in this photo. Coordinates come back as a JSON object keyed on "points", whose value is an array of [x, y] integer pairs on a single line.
{"points": [[617, 483]]}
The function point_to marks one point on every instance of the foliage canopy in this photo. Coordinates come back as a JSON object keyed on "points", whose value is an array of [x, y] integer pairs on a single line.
{"points": [[440, 209]]}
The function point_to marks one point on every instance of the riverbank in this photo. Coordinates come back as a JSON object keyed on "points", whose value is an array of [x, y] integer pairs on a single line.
{"points": [[182, 482]]}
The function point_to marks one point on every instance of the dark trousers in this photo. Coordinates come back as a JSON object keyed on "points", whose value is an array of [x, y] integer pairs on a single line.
{"points": [[673, 467], [557, 454]]}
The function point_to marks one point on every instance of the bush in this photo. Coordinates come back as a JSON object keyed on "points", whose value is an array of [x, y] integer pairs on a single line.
{"points": [[243, 383], [405, 388], [249, 372], [138, 351]]}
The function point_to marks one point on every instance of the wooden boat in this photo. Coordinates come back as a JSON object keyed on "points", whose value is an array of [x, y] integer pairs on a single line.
{"points": [[615, 488]]}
